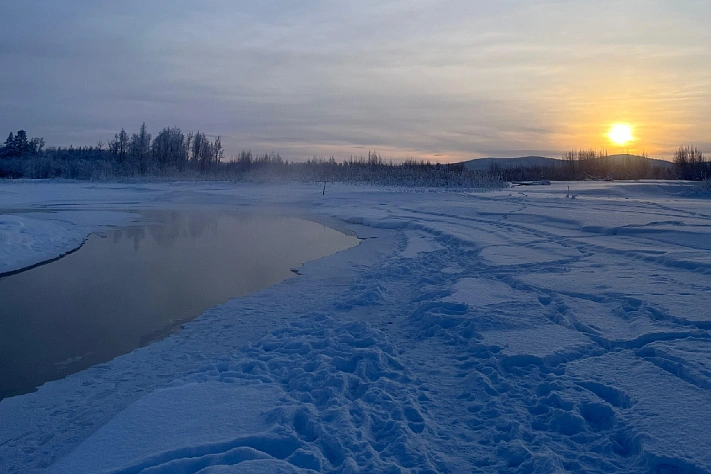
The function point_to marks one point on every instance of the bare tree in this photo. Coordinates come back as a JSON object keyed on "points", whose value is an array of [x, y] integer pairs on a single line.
{"points": [[690, 163]]}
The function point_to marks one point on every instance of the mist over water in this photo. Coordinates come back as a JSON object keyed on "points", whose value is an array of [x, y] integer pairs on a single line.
{"points": [[126, 288]]}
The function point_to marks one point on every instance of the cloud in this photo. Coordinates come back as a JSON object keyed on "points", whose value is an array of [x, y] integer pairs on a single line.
{"points": [[422, 78]]}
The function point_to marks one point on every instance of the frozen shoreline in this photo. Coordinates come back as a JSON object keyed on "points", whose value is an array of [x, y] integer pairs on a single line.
{"points": [[508, 331]]}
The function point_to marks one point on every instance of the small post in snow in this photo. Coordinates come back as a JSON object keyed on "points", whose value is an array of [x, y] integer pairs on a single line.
{"points": [[324, 188]]}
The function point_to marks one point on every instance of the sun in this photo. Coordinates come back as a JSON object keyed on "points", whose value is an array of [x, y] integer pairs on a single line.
{"points": [[621, 134]]}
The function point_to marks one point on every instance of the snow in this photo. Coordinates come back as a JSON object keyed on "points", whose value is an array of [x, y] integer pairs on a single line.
{"points": [[506, 331], [25, 240], [174, 422]]}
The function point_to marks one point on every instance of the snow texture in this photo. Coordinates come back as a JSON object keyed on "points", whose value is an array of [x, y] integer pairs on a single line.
{"points": [[508, 331]]}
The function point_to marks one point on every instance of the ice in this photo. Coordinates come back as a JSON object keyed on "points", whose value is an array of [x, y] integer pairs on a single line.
{"points": [[504, 331]]}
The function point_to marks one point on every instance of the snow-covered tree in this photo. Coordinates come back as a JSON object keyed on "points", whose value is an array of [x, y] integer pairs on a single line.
{"points": [[170, 148], [119, 146]]}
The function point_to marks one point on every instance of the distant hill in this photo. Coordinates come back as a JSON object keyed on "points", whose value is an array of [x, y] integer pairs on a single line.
{"points": [[619, 159], [483, 164]]}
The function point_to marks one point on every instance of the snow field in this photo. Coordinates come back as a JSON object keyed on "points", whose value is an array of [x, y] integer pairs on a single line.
{"points": [[499, 332]]}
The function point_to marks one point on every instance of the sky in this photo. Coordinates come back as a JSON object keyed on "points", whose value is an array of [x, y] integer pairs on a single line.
{"points": [[444, 80]]}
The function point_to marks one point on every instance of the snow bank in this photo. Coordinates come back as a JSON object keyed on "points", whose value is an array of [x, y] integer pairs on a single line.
{"points": [[31, 238], [26, 241]]}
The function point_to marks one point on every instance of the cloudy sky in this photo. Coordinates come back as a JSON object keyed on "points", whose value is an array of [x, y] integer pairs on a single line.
{"points": [[438, 79]]}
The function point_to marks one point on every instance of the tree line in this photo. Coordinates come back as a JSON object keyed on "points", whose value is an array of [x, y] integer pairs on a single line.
{"points": [[689, 164], [171, 148], [18, 145], [137, 154], [173, 153]]}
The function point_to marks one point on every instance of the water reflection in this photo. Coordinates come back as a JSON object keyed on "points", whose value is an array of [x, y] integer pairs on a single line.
{"points": [[128, 287], [173, 225]]}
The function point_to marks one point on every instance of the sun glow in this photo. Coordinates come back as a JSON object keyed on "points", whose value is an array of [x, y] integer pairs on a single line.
{"points": [[620, 134]]}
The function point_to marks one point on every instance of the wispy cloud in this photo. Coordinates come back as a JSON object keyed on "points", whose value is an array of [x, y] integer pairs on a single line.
{"points": [[424, 78]]}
